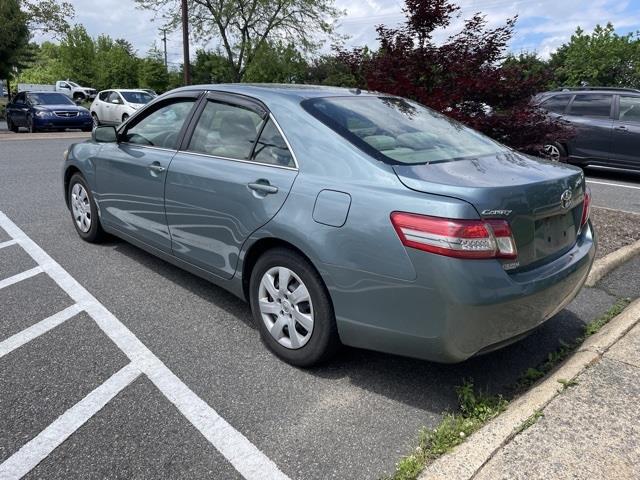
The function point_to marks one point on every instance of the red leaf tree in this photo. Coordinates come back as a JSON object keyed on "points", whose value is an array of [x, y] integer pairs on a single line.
{"points": [[464, 77]]}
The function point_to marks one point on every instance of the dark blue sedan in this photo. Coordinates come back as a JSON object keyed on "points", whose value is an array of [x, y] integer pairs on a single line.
{"points": [[39, 111]]}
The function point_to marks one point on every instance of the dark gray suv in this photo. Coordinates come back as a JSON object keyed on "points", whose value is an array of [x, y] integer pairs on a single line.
{"points": [[606, 122]]}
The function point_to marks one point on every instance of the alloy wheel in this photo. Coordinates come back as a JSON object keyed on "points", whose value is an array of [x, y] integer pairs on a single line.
{"points": [[285, 307], [552, 152], [81, 207]]}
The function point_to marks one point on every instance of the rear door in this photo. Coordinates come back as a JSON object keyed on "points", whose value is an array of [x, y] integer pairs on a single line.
{"points": [[232, 175], [625, 150], [131, 174], [591, 116]]}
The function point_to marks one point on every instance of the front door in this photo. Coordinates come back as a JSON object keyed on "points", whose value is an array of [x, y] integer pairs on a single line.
{"points": [[625, 150], [18, 109], [590, 115], [232, 177], [131, 174]]}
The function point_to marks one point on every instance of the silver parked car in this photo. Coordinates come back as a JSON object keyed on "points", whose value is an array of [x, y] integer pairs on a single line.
{"points": [[112, 107], [343, 217]]}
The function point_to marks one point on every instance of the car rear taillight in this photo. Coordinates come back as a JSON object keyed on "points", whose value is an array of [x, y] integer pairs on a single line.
{"points": [[586, 208], [455, 238]]}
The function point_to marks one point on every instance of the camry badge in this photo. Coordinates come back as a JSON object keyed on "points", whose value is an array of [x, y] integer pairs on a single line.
{"points": [[506, 213], [565, 199]]}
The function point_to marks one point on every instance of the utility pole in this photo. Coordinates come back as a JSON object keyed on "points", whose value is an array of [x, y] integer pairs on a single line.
{"points": [[185, 42], [164, 41]]}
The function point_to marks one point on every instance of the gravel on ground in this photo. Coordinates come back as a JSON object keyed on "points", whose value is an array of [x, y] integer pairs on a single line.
{"points": [[615, 229]]}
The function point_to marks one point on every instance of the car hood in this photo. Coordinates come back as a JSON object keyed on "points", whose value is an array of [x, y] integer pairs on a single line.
{"points": [[524, 190], [60, 108]]}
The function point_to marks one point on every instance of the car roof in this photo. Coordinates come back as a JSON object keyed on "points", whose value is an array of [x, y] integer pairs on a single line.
{"points": [[267, 91], [576, 91], [122, 90]]}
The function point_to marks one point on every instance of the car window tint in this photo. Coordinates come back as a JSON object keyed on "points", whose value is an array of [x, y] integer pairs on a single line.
{"points": [[225, 131], [630, 109], [591, 105], [271, 147], [20, 98], [113, 96], [556, 104], [161, 127]]}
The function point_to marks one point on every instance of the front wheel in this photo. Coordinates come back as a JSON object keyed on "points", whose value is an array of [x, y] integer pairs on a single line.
{"points": [[32, 125], [96, 120], [292, 308], [83, 210]]}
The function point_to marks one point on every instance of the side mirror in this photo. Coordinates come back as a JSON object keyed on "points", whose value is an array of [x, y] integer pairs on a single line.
{"points": [[115, 101], [104, 134]]}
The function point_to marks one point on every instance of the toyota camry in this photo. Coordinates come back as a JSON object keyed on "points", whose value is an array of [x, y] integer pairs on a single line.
{"points": [[343, 217]]}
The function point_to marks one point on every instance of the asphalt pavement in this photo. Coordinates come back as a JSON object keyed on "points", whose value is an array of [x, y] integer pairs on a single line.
{"points": [[352, 418]]}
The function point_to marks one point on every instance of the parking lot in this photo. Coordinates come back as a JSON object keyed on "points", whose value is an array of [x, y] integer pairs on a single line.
{"points": [[116, 364]]}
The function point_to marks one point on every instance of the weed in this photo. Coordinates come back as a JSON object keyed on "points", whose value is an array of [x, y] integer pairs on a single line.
{"points": [[567, 383], [533, 418]]}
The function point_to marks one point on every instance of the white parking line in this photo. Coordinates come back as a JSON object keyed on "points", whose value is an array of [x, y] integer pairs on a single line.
{"points": [[41, 446], [19, 277], [34, 331], [614, 184], [8, 243], [245, 457]]}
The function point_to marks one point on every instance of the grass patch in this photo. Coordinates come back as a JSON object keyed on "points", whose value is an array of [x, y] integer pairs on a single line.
{"points": [[529, 422], [476, 407]]}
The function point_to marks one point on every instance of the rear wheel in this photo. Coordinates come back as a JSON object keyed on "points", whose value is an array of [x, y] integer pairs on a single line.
{"points": [[555, 152], [292, 308], [83, 210]]}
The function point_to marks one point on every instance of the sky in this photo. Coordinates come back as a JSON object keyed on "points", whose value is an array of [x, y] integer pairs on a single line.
{"points": [[543, 25]]}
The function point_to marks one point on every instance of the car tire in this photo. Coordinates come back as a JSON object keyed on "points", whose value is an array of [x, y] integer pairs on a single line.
{"points": [[96, 120], [31, 125], [315, 345], [555, 152], [94, 233], [87, 129], [12, 126]]}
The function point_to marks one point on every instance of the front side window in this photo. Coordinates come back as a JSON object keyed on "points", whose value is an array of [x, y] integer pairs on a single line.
{"points": [[556, 104], [20, 98], [630, 109], [397, 130], [104, 96], [114, 97], [591, 105], [271, 147], [137, 97], [161, 127], [226, 131], [49, 99]]}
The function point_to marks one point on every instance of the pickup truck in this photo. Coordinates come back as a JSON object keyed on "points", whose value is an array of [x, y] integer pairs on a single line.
{"points": [[67, 87]]}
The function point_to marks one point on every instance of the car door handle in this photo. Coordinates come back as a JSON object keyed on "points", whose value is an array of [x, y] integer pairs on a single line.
{"points": [[622, 128], [263, 186], [156, 167]]}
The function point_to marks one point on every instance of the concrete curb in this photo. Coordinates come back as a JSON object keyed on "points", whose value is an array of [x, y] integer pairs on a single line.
{"points": [[604, 265], [468, 458]]}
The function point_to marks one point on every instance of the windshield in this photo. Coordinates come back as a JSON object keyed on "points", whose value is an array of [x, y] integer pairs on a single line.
{"points": [[73, 84], [137, 97], [400, 131], [49, 99]]}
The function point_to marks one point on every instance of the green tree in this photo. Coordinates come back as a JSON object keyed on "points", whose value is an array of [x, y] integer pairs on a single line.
{"points": [[602, 58], [46, 68], [152, 72], [277, 63], [115, 65], [211, 67], [14, 37], [78, 56], [47, 16], [244, 26]]}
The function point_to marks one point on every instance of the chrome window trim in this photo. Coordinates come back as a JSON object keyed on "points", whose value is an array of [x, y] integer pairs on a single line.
{"points": [[149, 146], [250, 162]]}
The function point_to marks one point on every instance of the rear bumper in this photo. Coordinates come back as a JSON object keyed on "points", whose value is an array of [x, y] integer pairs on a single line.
{"points": [[455, 309]]}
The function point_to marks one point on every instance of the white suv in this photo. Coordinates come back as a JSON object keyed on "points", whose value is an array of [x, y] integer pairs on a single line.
{"points": [[115, 106]]}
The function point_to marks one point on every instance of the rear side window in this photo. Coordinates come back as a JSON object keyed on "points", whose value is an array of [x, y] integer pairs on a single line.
{"points": [[556, 104], [271, 148], [591, 105], [630, 109], [161, 127], [226, 131]]}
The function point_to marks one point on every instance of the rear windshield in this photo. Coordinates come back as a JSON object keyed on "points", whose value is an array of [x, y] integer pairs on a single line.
{"points": [[49, 99], [396, 130]]}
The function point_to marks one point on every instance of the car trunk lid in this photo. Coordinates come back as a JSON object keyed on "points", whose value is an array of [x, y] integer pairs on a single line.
{"points": [[541, 200]]}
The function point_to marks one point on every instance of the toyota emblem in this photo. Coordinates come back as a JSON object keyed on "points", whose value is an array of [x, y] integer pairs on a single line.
{"points": [[565, 199]]}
